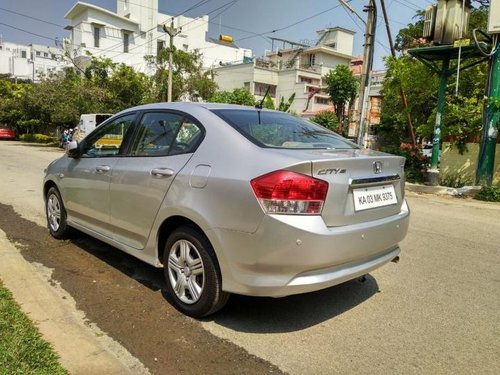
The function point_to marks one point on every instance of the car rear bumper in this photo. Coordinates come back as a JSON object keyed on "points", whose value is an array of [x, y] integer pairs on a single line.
{"points": [[298, 254]]}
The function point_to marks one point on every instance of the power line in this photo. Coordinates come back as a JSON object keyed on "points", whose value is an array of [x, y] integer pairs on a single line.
{"points": [[30, 17], [28, 32], [408, 6]]}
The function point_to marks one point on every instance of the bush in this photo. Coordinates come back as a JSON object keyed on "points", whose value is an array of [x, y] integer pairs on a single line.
{"points": [[329, 120], [489, 193], [454, 180], [416, 162], [38, 138]]}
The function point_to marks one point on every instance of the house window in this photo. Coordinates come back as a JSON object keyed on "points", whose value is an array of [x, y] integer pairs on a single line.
{"points": [[23, 54], [97, 34], [38, 53], [185, 47], [45, 54], [312, 59], [321, 100], [126, 38]]}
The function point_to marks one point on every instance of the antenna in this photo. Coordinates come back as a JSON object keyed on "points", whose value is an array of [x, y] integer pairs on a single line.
{"points": [[259, 105]]}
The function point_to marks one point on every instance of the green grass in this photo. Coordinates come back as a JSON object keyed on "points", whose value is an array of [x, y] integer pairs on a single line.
{"points": [[490, 194], [22, 350]]}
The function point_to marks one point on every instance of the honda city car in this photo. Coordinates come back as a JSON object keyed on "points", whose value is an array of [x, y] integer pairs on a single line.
{"points": [[230, 199]]}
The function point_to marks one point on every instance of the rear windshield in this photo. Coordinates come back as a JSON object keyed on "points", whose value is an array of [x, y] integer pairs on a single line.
{"points": [[281, 130]]}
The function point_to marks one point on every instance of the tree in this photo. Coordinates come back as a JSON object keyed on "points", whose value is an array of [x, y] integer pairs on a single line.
{"points": [[283, 106], [59, 99], [329, 120], [238, 96], [462, 113], [342, 88], [189, 80]]}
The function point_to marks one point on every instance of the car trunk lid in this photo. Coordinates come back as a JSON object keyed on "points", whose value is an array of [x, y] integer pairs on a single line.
{"points": [[364, 185]]}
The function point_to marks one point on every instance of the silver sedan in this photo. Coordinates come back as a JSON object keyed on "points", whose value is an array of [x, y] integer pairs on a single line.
{"points": [[230, 199]]}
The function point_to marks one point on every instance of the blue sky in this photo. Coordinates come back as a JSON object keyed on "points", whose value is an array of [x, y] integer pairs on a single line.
{"points": [[251, 17]]}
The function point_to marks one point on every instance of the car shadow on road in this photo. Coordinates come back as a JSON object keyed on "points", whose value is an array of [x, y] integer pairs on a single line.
{"points": [[294, 313], [149, 276], [243, 313]]}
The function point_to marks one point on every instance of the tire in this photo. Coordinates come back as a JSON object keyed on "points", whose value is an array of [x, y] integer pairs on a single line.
{"points": [[192, 273], [56, 214]]}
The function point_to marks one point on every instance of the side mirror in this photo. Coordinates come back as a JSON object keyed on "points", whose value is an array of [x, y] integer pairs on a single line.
{"points": [[73, 150]]}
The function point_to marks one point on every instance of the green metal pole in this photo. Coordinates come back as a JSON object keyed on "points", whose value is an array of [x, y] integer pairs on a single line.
{"points": [[443, 79], [486, 164]]}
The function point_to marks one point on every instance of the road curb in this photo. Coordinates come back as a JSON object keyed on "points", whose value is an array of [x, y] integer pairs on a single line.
{"points": [[466, 191], [83, 348]]}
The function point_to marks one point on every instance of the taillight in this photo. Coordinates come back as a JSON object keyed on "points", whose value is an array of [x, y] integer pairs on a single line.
{"points": [[285, 192]]}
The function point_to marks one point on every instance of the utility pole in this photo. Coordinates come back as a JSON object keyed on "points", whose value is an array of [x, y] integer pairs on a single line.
{"points": [[485, 167], [172, 32], [409, 124], [371, 26]]}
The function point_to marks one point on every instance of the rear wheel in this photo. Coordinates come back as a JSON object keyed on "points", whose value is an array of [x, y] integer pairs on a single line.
{"points": [[56, 214], [192, 274]]}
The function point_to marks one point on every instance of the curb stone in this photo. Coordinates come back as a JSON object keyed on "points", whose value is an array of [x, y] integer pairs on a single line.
{"points": [[443, 190]]}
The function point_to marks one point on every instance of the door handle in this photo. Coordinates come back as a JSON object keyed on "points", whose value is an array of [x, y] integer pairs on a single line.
{"points": [[102, 168], [162, 172]]}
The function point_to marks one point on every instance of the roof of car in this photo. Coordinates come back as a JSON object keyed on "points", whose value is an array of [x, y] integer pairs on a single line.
{"points": [[186, 106]]}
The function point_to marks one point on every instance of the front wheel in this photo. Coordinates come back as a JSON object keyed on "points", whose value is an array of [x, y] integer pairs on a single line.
{"points": [[192, 273], [56, 214]]}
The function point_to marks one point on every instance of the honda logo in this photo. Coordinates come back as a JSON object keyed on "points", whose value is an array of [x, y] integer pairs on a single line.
{"points": [[377, 167]]}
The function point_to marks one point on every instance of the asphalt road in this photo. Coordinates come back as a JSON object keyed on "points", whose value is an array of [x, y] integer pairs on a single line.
{"points": [[436, 311]]}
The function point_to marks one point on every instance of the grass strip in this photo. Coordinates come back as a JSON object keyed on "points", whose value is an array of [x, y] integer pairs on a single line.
{"points": [[22, 350]]}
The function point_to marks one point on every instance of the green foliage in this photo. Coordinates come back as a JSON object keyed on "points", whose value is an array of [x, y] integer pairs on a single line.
{"points": [[22, 350], [342, 88], [237, 96], [454, 180], [489, 193], [283, 106], [411, 35], [463, 120], [420, 86], [37, 138], [329, 120], [462, 115], [189, 80], [103, 86], [416, 163]]}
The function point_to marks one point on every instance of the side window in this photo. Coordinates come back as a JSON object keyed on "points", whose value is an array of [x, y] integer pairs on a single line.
{"points": [[108, 140], [162, 134]]}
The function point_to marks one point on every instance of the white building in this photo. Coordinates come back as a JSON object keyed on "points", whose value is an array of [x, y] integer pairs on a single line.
{"points": [[136, 30], [296, 68], [21, 61]]}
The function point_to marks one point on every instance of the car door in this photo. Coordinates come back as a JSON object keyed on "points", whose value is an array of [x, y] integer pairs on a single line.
{"points": [[163, 143], [86, 182]]}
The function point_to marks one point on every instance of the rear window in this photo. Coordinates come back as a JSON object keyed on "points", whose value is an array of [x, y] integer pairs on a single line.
{"points": [[281, 130]]}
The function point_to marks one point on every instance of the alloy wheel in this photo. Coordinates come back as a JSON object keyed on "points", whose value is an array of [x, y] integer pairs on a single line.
{"points": [[186, 271]]}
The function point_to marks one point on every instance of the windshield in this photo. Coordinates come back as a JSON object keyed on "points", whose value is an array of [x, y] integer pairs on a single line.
{"points": [[281, 130]]}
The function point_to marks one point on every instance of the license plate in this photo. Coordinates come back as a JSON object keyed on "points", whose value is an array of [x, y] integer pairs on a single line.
{"points": [[373, 197]]}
